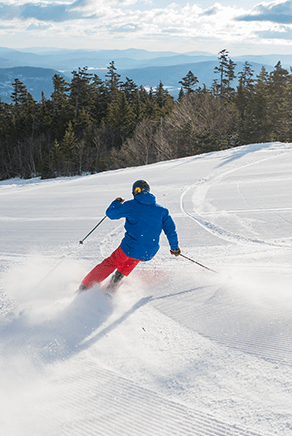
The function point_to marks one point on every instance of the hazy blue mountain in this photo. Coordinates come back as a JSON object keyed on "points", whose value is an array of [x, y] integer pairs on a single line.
{"points": [[6, 63], [68, 60], [273, 59], [43, 55], [36, 80], [150, 77], [15, 58], [132, 53], [35, 67]]}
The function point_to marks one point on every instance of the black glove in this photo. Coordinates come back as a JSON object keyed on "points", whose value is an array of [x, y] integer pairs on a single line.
{"points": [[175, 252], [120, 200]]}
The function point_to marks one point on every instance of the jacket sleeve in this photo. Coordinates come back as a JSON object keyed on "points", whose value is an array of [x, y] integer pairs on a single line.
{"points": [[169, 229], [115, 210]]}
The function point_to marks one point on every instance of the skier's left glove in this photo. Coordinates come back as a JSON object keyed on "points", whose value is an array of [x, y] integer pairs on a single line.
{"points": [[175, 252], [120, 200]]}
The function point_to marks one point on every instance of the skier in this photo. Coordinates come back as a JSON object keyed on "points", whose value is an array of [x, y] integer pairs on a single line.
{"points": [[145, 220]]}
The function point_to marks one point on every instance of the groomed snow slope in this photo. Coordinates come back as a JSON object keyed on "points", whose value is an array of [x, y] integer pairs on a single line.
{"points": [[179, 350]]}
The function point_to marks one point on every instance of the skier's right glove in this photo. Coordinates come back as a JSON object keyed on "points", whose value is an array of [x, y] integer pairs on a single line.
{"points": [[175, 252], [120, 200]]}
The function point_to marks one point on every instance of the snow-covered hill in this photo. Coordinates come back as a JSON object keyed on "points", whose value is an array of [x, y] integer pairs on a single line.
{"points": [[179, 350]]}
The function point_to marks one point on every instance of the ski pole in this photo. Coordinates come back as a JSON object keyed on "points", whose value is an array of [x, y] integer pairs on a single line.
{"points": [[81, 242], [194, 261]]}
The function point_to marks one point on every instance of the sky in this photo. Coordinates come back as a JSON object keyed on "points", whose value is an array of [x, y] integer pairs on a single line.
{"points": [[248, 27]]}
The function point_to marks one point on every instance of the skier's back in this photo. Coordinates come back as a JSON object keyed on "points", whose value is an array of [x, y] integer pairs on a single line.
{"points": [[145, 220]]}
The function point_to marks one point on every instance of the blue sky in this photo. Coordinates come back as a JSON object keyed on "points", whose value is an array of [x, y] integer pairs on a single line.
{"points": [[241, 27]]}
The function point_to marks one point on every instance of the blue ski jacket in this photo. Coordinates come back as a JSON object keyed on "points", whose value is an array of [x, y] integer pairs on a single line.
{"points": [[145, 220]]}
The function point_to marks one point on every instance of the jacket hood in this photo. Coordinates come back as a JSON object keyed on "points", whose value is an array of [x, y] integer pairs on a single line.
{"points": [[145, 197]]}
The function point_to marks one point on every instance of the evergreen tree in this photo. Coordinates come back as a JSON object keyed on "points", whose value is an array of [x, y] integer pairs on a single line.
{"points": [[60, 93], [288, 106], [100, 99], [62, 111], [81, 95], [87, 122], [23, 111], [112, 81], [121, 116], [164, 102], [56, 155], [181, 95], [226, 70], [82, 123], [45, 116], [189, 82], [160, 95], [278, 105], [244, 100], [262, 126], [129, 88], [19, 95], [69, 145]]}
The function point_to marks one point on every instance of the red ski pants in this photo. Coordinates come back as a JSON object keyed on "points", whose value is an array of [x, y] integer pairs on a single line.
{"points": [[117, 260]]}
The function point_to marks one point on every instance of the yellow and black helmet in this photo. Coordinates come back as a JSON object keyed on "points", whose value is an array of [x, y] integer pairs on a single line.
{"points": [[139, 186]]}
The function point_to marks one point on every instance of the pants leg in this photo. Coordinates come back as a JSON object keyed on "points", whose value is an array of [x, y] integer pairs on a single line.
{"points": [[127, 267], [117, 260]]}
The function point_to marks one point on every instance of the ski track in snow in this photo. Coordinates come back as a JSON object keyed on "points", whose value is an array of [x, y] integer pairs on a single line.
{"points": [[179, 350], [138, 410], [212, 314], [259, 342], [200, 191]]}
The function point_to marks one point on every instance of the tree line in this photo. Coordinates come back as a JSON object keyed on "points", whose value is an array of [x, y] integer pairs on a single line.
{"points": [[92, 125]]}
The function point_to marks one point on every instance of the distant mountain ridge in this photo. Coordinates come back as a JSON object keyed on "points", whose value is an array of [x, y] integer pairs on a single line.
{"points": [[65, 59], [36, 80], [35, 67], [171, 75]]}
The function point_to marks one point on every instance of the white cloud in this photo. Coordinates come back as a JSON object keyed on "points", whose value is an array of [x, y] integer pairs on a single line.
{"points": [[89, 20], [275, 12]]}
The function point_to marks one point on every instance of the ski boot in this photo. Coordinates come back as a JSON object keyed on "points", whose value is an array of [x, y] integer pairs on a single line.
{"points": [[82, 288], [115, 280]]}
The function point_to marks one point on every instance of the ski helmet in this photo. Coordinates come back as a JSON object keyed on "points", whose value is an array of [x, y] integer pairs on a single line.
{"points": [[139, 186]]}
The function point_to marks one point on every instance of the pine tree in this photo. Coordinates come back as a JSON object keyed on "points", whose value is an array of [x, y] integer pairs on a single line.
{"points": [[100, 99], [278, 89], [181, 95], [60, 93], [112, 79], [69, 144], [19, 95], [262, 126], [129, 88], [61, 108], [23, 111], [138, 107], [226, 70], [45, 116], [244, 100], [120, 115], [189, 82], [288, 103], [164, 102], [56, 154], [81, 95]]}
